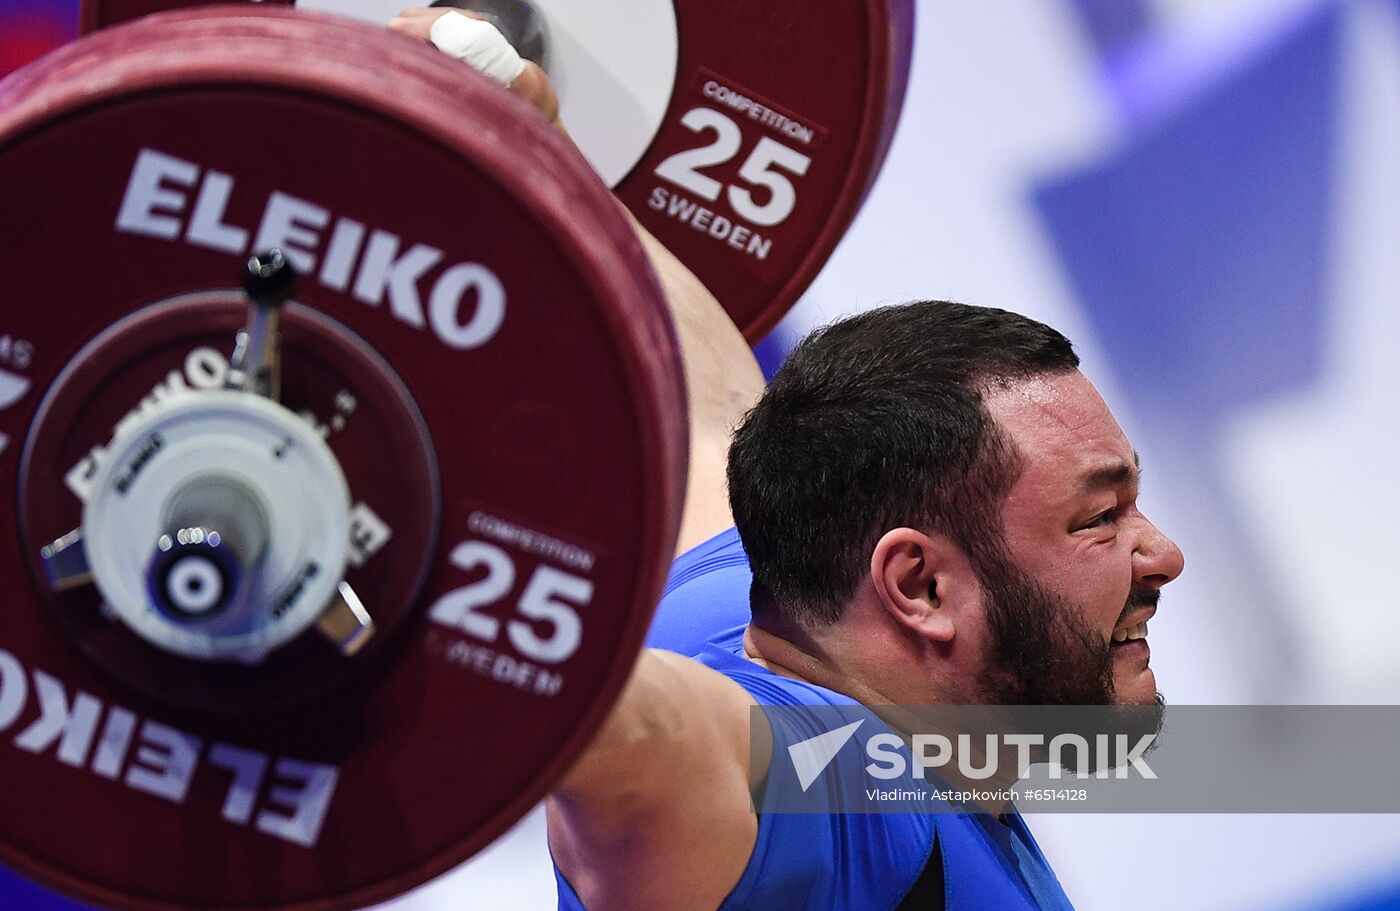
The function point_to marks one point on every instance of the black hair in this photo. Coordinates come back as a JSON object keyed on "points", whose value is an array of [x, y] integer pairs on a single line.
{"points": [[873, 423]]}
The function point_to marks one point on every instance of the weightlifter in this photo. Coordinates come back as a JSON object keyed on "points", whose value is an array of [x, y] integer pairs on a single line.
{"points": [[938, 508]]}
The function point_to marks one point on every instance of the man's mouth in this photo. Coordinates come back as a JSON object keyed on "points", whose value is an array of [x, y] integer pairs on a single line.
{"points": [[1130, 643], [1130, 633]]}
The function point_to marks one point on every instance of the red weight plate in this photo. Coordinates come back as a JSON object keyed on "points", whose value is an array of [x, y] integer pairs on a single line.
{"points": [[779, 122], [781, 117], [141, 169]]}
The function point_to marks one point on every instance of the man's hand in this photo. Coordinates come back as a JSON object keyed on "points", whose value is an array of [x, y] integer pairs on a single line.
{"points": [[530, 83], [418, 21]]}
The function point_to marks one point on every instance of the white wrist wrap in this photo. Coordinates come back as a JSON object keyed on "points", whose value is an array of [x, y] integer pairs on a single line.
{"points": [[478, 43]]}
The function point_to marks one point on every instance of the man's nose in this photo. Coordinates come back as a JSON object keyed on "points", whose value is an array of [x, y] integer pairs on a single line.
{"points": [[1156, 560]]}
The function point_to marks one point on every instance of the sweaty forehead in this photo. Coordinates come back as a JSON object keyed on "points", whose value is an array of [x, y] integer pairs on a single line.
{"points": [[1062, 428]]}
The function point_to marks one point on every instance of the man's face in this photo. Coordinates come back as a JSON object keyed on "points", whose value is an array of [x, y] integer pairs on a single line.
{"points": [[1085, 565]]}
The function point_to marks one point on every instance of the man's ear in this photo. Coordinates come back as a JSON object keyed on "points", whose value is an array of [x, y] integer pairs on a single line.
{"points": [[922, 580]]}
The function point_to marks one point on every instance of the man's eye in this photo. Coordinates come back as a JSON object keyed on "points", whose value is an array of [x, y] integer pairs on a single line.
{"points": [[1104, 518]]}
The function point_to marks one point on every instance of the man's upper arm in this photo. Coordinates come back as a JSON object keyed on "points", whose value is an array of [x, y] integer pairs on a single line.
{"points": [[723, 382], [657, 811]]}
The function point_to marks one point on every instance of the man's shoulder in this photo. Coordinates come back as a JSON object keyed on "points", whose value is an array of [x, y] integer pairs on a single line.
{"points": [[706, 597]]}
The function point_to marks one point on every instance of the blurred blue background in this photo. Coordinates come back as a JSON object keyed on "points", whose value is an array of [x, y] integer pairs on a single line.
{"points": [[1205, 195]]}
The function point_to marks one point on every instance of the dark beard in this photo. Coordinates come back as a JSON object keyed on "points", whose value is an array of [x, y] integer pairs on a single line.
{"points": [[1043, 653]]}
